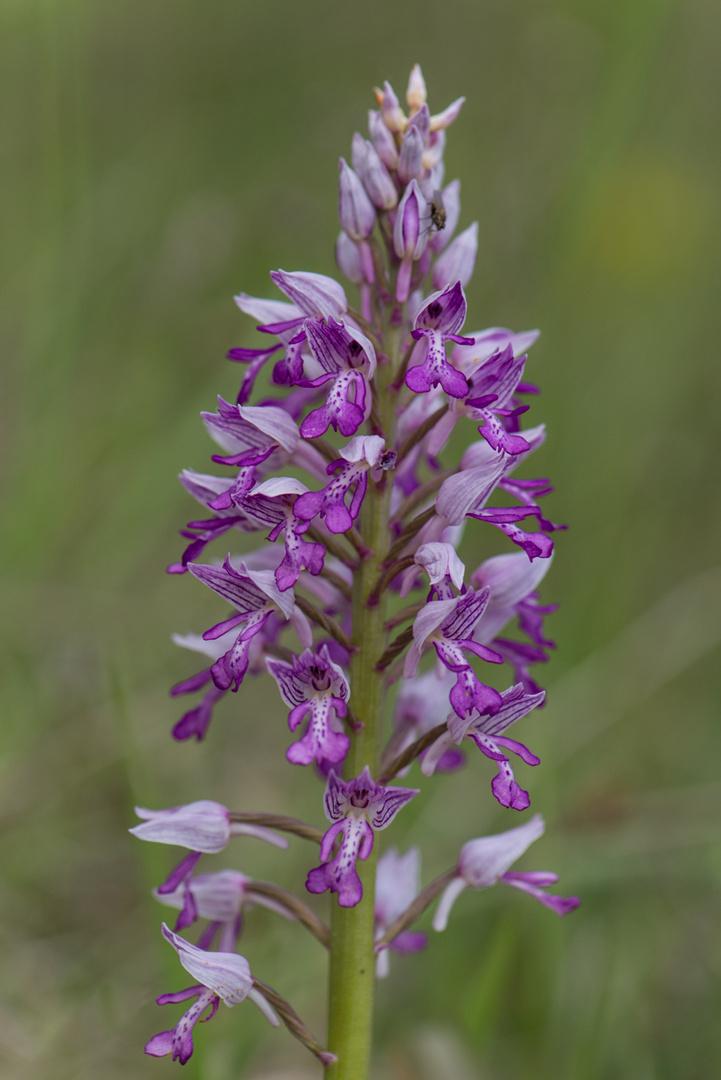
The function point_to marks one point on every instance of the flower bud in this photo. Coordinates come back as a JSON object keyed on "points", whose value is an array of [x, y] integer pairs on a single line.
{"points": [[410, 162], [445, 119], [422, 121], [348, 258], [382, 139], [416, 92], [433, 153], [410, 232], [374, 175], [393, 116], [355, 210], [458, 260]]}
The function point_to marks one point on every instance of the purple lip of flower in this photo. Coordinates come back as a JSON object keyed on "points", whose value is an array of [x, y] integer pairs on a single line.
{"points": [[485, 861], [487, 732], [397, 879], [356, 808], [313, 684], [439, 320], [362, 454], [256, 595], [221, 976]]}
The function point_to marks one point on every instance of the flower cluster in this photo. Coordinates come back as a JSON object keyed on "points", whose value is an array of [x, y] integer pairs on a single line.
{"points": [[342, 467]]}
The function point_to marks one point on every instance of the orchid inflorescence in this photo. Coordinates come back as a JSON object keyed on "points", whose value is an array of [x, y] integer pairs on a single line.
{"points": [[361, 584]]}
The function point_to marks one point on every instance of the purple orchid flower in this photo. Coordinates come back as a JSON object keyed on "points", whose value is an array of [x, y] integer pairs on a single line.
{"points": [[257, 596], [272, 504], [438, 321], [222, 896], [482, 470], [487, 732], [356, 808], [313, 684], [222, 976], [209, 490], [357, 459], [485, 861], [471, 360], [195, 722], [448, 625], [312, 295], [347, 358], [397, 878]]}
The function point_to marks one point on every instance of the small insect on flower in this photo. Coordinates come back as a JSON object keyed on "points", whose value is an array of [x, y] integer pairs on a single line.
{"points": [[437, 212]]}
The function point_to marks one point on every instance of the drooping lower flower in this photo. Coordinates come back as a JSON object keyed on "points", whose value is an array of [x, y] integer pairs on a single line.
{"points": [[485, 861], [204, 827], [357, 808], [222, 896], [221, 976]]}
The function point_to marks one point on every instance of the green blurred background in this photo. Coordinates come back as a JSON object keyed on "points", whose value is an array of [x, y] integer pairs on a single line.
{"points": [[159, 156]]}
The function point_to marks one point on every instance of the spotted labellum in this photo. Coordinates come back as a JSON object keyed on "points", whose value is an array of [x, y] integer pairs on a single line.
{"points": [[356, 592]]}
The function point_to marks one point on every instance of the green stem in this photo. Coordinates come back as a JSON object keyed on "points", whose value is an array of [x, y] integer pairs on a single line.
{"points": [[352, 960]]}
